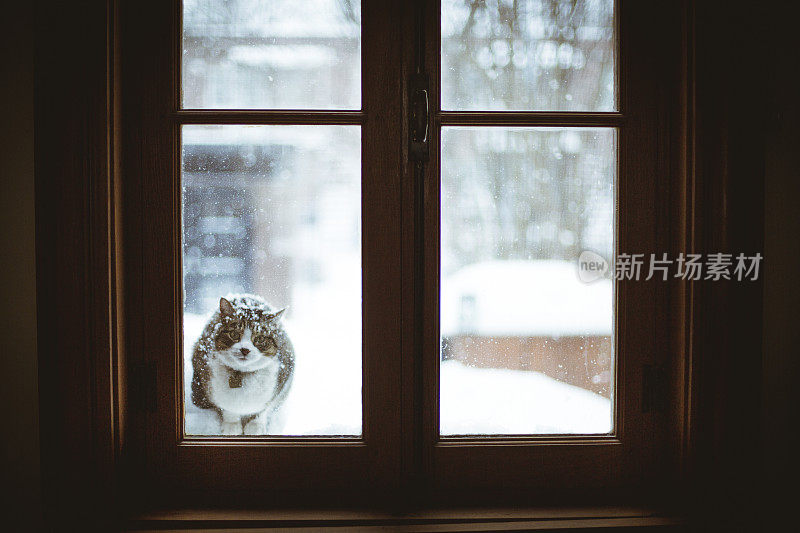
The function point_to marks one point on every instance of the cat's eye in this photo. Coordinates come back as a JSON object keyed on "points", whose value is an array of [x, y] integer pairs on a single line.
{"points": [[265, 344], [234, 335]]}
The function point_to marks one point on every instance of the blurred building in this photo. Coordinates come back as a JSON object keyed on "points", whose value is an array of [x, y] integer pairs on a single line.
{"points": [[252, 201]]}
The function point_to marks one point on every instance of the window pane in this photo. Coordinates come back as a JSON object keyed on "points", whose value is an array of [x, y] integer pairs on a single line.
{"points": [[272, 54], [526, 346], [272, 211], [539, 55]]}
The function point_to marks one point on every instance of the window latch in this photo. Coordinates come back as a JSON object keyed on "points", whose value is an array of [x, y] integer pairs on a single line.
{"points": [[418, 128]]}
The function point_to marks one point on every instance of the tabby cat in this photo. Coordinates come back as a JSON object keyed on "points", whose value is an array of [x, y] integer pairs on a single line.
{"points": [[243, 364]]}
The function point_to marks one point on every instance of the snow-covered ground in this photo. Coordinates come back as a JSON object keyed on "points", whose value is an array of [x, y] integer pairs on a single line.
{"points": [[487, 401], [326, 396]]}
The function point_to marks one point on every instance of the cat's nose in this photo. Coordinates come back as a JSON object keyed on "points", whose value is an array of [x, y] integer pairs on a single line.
{"points": [[245, 351]]}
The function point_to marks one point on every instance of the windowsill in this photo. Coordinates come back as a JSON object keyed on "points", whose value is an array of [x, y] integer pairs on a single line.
{"points": [[486, 519]]}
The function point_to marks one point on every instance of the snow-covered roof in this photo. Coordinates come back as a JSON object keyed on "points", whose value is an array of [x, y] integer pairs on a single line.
{"points": [[293, 57], [302, 136], [524, 298]]}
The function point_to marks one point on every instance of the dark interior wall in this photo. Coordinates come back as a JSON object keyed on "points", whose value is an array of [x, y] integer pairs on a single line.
{"points": [[747, 153], [781, 344], [19, 436]]}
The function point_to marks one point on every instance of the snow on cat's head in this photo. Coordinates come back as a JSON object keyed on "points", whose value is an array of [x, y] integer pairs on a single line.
{"points": [[246, 336]]}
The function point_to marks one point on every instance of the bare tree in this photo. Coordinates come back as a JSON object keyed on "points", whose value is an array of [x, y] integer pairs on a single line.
{"points": [[552, 55]]}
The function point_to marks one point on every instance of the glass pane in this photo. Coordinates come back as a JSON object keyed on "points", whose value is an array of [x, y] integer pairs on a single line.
{"points": [[526, 346], [260, 218], [279, 54], [538, 55]]}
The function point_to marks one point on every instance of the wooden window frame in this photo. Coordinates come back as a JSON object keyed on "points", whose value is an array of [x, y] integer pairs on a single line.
{"points": [[153, 165], [541, 464], [91, 258]]}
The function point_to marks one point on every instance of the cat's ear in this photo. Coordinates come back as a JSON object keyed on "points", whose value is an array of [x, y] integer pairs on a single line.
{"points": [[225, 307], [276, 315]]}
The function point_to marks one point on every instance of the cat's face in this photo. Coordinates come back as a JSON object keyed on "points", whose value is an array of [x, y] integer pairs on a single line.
{"points": [[244, 341]]}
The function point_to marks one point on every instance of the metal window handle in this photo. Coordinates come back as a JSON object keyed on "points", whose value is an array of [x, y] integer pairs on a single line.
{"points": [[421, 115], [419, 120]]}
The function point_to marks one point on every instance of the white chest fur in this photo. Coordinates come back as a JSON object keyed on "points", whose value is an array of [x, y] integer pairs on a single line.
{"points": [[257, 389]]}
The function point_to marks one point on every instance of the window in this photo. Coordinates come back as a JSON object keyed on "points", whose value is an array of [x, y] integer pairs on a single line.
{"points": [[259, 218], [519, 203], [418, 207], [274, 210]]}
